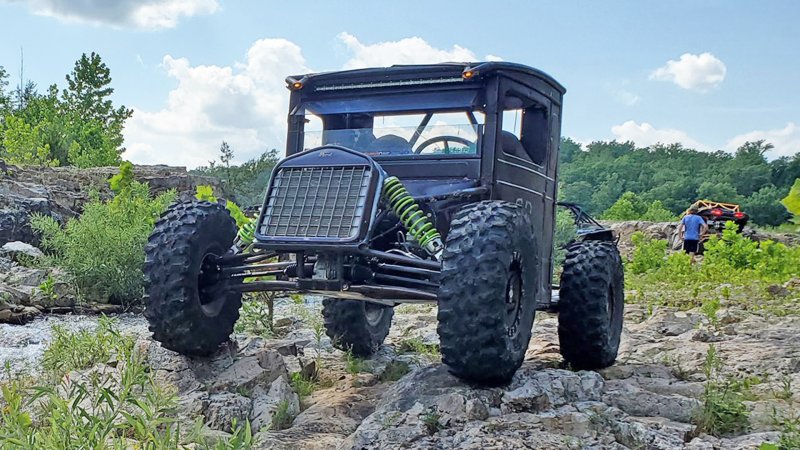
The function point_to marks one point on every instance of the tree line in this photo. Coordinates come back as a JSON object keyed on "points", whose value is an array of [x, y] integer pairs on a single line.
{"points": [[602, 173]]}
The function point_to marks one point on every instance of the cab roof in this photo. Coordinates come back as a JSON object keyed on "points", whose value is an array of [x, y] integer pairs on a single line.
{"points": [[419, 74]]}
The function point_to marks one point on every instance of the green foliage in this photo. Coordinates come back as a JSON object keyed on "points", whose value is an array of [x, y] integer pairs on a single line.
{"points": [[792, 201], [283, 417], [76, 350], [124, 179], [649, 254], [22, 144], [599, 174], [723, 411], [106, 408], [205, 193], [81, 127], [631, 207], [47, 288], [764, 206], [431, 420], [247, 182], [103, 249], [255, 316], [353, 364], [394, 371], [415, 345], [302, 385]]}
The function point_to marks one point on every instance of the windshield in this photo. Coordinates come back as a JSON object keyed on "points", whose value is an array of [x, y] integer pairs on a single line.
{"points": [[409, 135]]}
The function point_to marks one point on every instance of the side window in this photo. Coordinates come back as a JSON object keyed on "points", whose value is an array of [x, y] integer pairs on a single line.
{"points": [[524, 131], [535, 134]]}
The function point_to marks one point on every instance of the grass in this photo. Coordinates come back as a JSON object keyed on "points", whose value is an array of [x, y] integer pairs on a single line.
{"points": [[302, 385], [76, 350], [353, 364], [415, 345], [103, 407], [283, 418]]}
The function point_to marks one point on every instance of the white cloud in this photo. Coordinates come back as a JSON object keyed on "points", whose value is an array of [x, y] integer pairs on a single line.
{"points": [[645, 135], [150, 14], [786, 140], [413, 50], [244, 105], [694, 72]]}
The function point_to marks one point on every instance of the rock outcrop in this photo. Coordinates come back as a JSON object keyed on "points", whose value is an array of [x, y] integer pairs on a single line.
{"points": [[61, 192]]}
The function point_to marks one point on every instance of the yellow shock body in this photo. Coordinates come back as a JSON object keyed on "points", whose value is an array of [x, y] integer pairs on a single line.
{"points": [[411, 216]]}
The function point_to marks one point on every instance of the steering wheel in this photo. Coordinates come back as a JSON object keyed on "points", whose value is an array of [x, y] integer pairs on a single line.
{"points": [[445, 139]]}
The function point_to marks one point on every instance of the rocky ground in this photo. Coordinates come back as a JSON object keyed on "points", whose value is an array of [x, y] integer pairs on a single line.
{"points": [[403, 399]]}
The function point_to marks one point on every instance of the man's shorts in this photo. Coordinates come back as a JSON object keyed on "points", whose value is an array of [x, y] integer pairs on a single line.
{"points": [[690, 246]]}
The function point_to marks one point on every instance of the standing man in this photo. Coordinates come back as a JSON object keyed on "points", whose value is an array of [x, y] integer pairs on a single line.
{"points": [[691, 229]]}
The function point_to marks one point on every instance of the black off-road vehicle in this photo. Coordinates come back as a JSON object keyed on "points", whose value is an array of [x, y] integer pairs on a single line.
{"points": [[407, 184]]}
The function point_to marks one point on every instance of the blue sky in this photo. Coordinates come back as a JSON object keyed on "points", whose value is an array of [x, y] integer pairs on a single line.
{"points": [[708, 74]]}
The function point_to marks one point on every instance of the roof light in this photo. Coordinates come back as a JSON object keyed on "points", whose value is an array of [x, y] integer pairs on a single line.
{"points": [[468, 74], [294, 84]]}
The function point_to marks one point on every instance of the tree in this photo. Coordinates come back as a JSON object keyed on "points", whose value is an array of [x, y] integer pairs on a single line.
{"points": [[720, 192], [95, 123], [22, 144], [764, 206], [628, 207]]}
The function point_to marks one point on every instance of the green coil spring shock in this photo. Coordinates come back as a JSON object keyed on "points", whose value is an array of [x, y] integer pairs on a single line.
{"points": [[247, 232], [412, 217]]}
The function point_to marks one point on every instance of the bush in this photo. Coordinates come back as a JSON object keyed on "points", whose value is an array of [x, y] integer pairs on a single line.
{"points": [[649, 254], [103, 249]]}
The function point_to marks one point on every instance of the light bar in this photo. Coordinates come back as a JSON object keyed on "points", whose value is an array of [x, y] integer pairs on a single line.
{"points": [[342, 87]]}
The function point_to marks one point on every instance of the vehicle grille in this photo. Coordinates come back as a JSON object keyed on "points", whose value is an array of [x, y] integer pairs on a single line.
{"points": [[316, 202]]}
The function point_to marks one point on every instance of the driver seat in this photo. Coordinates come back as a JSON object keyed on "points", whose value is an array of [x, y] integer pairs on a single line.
{"points": [[390, 144]]}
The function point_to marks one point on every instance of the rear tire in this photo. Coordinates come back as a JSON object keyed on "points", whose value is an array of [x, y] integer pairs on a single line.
{"points": [[591, 305], [356, 326], [489, 285], [189, 310]]}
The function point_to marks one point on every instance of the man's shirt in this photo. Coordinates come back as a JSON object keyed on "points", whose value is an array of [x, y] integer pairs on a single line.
{"points": [[692, 225]]}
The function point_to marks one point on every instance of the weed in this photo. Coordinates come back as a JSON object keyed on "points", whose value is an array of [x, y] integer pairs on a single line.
{"points": [[283, 417], [48, 288], [353, 364], [297, 299], [84, 348], [786, 392], [710, 308], [302, 385], [415, 345], [394, 371], [431, 420], [411, 308], [722, 411], [255, 317]]}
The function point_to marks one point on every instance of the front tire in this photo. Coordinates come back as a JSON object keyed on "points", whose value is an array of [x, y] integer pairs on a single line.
{"points": [[190, 308], [356, 326], [591, 305], [487, 298]]}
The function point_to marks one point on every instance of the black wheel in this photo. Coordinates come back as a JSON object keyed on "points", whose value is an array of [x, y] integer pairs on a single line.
{"points": [[188, 305], [489, 285], [356, 326], [591, 305]]}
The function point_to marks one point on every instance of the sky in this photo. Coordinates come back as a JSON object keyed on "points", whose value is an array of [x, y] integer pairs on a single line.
{"points": [[709, 74]]}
